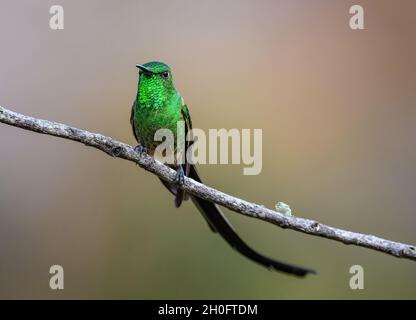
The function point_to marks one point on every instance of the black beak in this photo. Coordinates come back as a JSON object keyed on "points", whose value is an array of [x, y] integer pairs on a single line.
{"points": [[143, 68]]}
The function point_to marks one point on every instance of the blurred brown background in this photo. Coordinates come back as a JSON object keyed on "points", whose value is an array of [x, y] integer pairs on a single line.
{"points": [[337, 109]]}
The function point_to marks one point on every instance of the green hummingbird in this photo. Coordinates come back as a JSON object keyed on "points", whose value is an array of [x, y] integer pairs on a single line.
{"points": [[158, 105]]}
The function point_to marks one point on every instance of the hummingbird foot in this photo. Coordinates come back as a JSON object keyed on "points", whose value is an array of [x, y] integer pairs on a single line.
{"points": [[140, 149], [180, 176]]}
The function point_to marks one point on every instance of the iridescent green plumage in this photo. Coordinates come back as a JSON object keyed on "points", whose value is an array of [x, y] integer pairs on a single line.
{"points": [[158, 105]]}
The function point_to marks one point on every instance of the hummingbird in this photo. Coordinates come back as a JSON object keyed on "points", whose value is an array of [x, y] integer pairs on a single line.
{"points": [[158, 105]]}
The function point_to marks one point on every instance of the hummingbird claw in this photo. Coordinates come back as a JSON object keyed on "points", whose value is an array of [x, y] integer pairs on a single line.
{"points": [[140, 149], [180, 176]]}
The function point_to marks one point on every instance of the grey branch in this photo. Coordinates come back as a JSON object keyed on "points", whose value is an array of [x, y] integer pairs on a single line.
{"points": [[121, 150]]}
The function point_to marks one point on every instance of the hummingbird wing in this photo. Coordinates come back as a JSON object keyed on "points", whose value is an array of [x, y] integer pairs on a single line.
{"points": [[180, 194], [133, 110]]}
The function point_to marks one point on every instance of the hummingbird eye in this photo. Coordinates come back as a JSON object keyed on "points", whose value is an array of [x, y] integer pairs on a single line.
{"points": [[165, 75]]}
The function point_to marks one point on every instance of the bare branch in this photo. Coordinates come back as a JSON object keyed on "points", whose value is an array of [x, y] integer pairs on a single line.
{"points": [[125, 151]]}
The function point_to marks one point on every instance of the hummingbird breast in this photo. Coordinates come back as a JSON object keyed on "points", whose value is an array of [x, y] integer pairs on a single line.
{"points": [[148, 120]]}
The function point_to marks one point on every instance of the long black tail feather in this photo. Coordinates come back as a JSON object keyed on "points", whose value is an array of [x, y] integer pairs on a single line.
{"points": [[218, 222]]}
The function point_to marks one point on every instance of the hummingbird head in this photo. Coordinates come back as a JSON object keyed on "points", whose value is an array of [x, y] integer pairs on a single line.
{"points": [[155, 83]]}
